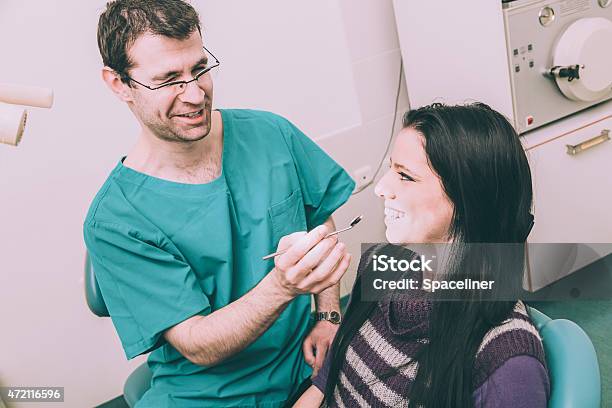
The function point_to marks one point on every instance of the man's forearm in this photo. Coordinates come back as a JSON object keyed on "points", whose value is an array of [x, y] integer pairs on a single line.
{"points": [[225, 332]]}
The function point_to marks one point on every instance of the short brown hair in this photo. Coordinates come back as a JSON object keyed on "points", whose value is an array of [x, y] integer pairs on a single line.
{"points": [[124, 21]]}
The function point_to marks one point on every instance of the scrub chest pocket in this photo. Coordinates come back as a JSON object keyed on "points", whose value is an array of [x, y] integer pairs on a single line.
{"points": [[287, 216]]}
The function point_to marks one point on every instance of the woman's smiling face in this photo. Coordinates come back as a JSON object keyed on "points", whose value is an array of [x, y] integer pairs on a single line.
{"points": [[417, 210]]}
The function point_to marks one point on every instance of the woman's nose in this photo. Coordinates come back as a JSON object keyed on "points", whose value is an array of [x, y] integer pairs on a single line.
{"points": [[383, 187]]}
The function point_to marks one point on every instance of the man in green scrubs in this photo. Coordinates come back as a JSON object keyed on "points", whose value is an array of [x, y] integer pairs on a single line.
{"points": [[177, 232]]}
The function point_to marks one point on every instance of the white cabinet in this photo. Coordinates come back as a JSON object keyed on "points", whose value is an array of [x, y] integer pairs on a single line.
{"points": [[572, 194], [458, 52]]}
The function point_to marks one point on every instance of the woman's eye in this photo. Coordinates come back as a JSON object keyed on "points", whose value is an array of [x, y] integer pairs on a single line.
{"points": [[405, 177]]}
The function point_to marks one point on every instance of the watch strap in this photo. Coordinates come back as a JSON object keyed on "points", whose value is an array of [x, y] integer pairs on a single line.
{"points": [[332, 316]]}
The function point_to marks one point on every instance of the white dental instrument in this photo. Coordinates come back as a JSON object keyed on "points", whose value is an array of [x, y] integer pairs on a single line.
{"points": [[354, 222]]}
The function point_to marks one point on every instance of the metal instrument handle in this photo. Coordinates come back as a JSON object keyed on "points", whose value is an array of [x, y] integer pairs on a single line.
{"points": [[573, 150]]}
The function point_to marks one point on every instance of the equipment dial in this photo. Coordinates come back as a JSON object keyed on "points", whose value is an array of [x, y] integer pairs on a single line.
{"points": [[547, 15], [604, 3]]}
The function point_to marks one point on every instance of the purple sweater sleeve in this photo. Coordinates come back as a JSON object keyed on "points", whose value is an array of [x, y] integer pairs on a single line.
{"points": [[320, 381], [521, 382]]}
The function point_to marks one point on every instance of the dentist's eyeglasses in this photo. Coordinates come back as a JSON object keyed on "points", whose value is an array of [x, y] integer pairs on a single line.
{"points": [[177, 87]]}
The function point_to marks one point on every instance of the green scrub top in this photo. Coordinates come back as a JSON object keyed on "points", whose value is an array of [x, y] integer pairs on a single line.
{"points": [[166, 251]]}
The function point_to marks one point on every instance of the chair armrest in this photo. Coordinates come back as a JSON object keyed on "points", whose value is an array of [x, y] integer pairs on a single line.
{"points": [[93, 295], [137, 384], [572, 365], [539, 319]]}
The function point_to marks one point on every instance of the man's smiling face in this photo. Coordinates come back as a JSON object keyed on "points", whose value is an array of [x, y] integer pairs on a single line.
{"points": [[171, 113]]}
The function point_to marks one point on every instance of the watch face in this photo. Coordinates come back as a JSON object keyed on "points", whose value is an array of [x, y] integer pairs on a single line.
{"points": [[334, 317]]}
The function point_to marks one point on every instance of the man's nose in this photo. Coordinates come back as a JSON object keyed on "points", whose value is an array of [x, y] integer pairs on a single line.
{"points": [[383, 188], [192, 94]]}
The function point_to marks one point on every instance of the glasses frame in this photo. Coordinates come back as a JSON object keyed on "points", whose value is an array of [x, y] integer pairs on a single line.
{"points": [[195, 77]]}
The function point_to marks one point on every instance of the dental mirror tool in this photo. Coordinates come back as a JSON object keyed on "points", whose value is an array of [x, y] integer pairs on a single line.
{"points": [[355, 221]]}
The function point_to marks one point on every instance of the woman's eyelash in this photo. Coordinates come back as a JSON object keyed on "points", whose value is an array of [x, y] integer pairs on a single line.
{"points": [[405, 177]]}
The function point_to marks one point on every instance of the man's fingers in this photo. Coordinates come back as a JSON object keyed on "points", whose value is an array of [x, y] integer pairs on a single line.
{"points": [[308, 354], [326, 268], [336, 275], [330, 263], [303, 245], [288, 240], [318, 254], [306, 255], [305, 266], [320, 356]]}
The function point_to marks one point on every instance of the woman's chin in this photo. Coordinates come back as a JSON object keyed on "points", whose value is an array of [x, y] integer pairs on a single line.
{"points": [[395, 237], [404, 235], [398, 231]]}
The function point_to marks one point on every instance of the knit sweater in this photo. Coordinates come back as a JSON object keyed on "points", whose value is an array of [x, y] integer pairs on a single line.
{"points": [[392, 335]]}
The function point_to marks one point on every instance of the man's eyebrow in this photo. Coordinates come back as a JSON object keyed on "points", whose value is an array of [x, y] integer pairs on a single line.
{"points": [[165, 75], [202, 61]]}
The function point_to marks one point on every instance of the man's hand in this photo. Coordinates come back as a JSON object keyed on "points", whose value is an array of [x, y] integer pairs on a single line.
{"points": [[317, 344], [312, 262]]}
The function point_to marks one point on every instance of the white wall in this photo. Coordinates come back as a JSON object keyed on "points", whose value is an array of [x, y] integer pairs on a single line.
{"points": [[457, 50], [332, 67]]}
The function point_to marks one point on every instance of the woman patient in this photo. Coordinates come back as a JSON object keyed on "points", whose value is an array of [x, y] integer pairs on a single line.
{"points": [[458, 174]]}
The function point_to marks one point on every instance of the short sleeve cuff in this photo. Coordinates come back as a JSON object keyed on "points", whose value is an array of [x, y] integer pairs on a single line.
{"points": [[156, 340], [341, 189]]}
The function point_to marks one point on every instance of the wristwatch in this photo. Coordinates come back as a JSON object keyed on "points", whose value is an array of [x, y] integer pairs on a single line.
{"points": [[332, 317]]}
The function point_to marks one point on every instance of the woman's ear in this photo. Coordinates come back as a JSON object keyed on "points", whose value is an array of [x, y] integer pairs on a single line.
{"points": [[115, 84]]}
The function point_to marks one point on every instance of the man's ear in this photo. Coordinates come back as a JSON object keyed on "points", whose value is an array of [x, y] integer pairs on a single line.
{"points": [[119, 88]]}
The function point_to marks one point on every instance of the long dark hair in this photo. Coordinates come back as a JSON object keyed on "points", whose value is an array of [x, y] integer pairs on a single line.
{"points": [[485, 174]]}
